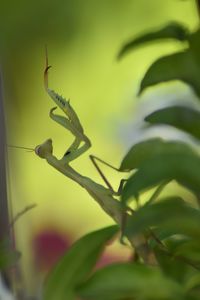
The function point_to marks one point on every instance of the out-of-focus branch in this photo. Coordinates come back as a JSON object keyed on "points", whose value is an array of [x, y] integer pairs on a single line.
{"points": [[4, 215], [4, 212]]}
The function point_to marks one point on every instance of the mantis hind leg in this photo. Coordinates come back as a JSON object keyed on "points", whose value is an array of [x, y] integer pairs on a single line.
{"points": [[119, 191], [120, 188]]}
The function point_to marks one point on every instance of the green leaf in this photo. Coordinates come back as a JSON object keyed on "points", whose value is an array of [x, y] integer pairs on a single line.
{"points": [[193, 287], [76, 265], [181, 117], [171, 214], [179, 66], [130, 281], [140, 153], [8, 256], [190, 249], [176, 161], [194, 42], [182, 66], [171, 31], [143, 151], [172, 266]]}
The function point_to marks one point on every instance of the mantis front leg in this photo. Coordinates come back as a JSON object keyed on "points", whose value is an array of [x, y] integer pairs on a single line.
{"points": [[75, 150], [71, 122]]}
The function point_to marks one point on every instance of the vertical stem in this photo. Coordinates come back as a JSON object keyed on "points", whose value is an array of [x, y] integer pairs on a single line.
{"points": [[4, 213]]}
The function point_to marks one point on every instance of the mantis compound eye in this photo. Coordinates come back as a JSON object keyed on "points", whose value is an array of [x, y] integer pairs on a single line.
{"points": [[44, 149]]}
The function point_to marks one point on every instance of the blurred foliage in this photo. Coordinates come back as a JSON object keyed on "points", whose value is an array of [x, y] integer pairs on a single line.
{"points": [[75, 266], [181, 117], [8, 257], [130, 281]]}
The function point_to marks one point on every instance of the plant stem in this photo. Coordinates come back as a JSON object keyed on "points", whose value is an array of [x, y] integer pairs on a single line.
{"points": [[4, 210]]}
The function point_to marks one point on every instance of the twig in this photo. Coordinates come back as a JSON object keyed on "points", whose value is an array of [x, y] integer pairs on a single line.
{"points": [[21, 213]]}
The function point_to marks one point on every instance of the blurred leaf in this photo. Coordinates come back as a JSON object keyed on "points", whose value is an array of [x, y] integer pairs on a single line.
{"points": [[181, 117], [176, 161], [162, 234], [130, 281], [182, 66], [143, 151], [179, 66], [76, 265], [171, 214], [140, 153], [172, 266], [194, 40], [171, 31], [190, 249], [8, 256], [193, 287]]}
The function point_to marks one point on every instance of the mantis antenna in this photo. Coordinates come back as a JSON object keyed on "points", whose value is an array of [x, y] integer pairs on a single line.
{"points": [[19, 147]]}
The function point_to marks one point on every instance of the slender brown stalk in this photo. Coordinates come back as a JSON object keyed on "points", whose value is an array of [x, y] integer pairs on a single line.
{"points": [[4, 208], [21, 213], [4, 215]]}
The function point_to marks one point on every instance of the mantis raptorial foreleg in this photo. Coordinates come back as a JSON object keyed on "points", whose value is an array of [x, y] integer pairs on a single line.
{"points": [[73, 146], [71, 123]]}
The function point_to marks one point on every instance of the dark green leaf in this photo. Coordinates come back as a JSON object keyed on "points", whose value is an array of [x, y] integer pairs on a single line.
{"points": [[8, 256], [182, 66], [172, 214], [190, 249], [172, 266], [181, 117], [179, 66], [171, 31], [140, 153], [76, 265], [177, 161], [194, 42], [193, 287], [130, 281], [143, 151]]}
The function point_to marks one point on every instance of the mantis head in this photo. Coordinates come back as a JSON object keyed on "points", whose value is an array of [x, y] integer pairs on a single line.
{"points": [[44, 149]]}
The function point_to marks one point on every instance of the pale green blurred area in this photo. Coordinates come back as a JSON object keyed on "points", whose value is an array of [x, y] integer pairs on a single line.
{"points": [[83, 39]]}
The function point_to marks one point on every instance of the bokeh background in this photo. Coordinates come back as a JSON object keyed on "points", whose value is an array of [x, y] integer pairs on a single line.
{"points": [[83, 39]]}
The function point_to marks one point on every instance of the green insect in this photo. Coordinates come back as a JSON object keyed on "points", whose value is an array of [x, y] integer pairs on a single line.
{"points": [[104, 196]]}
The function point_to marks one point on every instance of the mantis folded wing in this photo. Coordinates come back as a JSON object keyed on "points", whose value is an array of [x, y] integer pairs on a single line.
{"points": [[104, 196]]}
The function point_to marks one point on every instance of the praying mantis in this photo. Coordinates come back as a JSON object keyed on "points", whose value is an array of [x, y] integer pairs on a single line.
{"points": [[104, 196]]}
